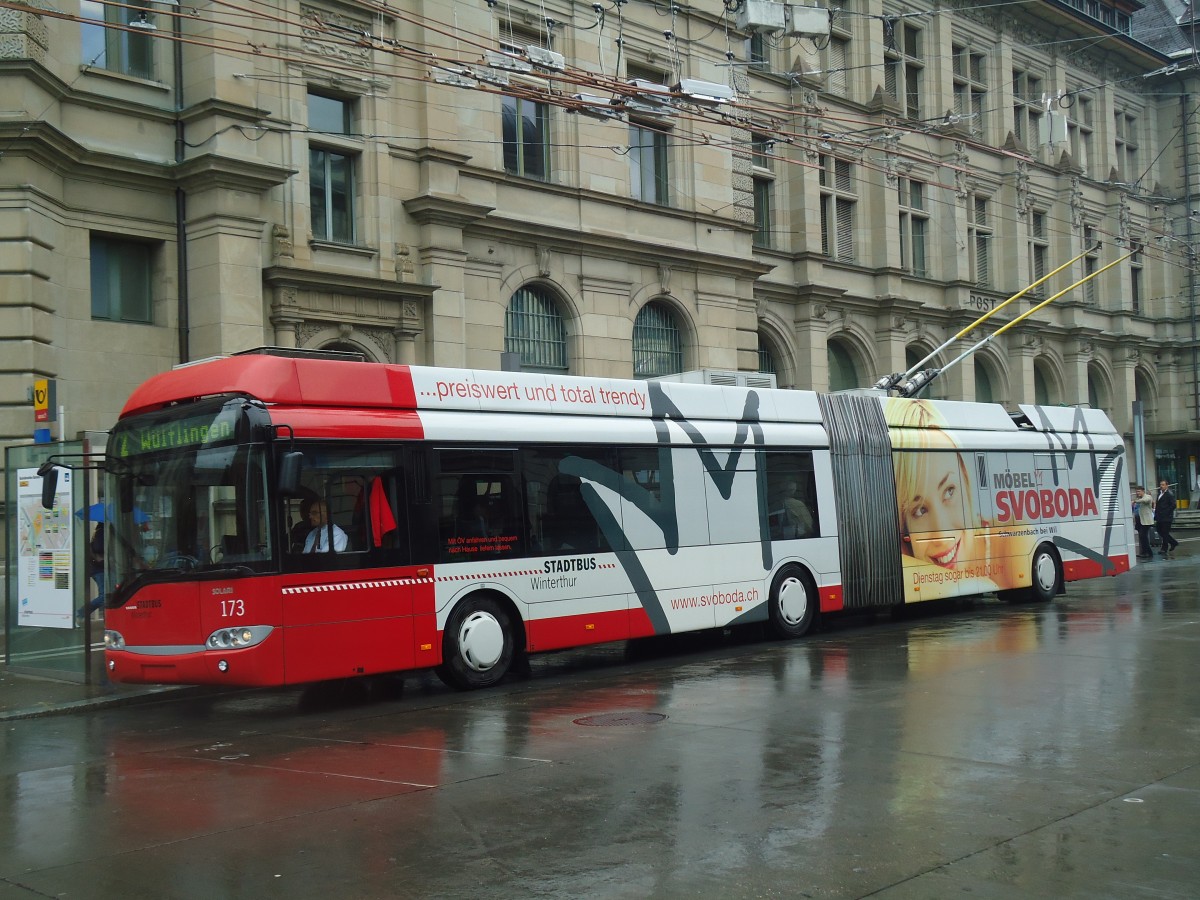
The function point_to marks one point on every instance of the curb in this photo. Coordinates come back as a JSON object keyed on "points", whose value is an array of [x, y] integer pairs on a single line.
{"points": [[104, 700]]}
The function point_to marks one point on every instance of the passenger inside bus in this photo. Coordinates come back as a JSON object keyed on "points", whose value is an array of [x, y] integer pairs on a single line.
{"points": [[790, 515]]}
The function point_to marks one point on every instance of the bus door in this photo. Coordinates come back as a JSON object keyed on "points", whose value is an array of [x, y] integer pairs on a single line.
{"points": [[348, 592]]}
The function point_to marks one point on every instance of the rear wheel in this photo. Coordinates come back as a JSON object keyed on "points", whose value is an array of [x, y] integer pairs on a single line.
{"points": [[793, 603], [477, 645], [1045, 580]]}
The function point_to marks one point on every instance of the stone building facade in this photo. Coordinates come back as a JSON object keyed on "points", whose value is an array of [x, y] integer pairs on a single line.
{"points": [[621, 189]]}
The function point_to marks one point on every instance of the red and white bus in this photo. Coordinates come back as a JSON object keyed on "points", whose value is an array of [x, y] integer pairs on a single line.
{"points": [[458, 519]]}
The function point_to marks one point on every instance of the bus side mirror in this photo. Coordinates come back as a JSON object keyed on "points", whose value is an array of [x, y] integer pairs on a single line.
{"points": [[49, 473], [290, 466]]}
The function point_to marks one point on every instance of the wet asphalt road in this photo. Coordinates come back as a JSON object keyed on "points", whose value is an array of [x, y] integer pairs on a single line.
{"points": [[985, 750]]}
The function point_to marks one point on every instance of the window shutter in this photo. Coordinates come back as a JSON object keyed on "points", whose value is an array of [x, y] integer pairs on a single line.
{"points": [[845, 229]]}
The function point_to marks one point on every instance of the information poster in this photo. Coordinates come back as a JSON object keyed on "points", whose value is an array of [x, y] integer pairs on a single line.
{"points": [[44, 591]]}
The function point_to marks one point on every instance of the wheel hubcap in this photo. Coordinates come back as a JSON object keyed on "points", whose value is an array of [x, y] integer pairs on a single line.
{"points": [[793, 601], [1044, 572], [481, 641]]}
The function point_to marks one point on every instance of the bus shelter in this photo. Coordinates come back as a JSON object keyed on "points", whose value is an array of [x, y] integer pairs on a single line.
{"points": [[49, 571]]}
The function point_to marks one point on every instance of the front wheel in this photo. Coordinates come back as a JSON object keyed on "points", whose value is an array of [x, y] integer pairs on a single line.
{"points": [[477, 645], [793, 603]]}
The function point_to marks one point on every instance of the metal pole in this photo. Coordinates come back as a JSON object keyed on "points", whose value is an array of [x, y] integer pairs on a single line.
{"points": [[1139, 442], [987, 315], [181, 256], [923, 378]]}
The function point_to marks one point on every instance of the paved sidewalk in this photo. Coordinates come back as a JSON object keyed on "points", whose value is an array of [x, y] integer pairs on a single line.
{"points": [[26, 696]]}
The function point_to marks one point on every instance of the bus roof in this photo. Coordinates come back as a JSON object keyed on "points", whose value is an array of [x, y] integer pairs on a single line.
{"points": [[298, 382], [357, 385]]}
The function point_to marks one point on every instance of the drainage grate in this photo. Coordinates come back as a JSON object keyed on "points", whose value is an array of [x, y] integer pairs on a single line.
{"points": [[625, 718]]}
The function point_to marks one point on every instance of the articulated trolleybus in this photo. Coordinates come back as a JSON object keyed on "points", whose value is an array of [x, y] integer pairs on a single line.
{"points": [[281, 519]]}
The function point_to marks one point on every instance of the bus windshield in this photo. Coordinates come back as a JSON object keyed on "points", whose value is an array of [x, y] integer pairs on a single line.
{"points": [[189, 497]]}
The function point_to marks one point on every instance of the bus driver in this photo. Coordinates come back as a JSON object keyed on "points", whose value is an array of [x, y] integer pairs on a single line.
{"points": [[318, 539]]}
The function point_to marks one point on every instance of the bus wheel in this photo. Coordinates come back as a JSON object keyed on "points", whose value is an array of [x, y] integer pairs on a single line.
{"points": [[1045, 580], [477, 645], [793, 603]]}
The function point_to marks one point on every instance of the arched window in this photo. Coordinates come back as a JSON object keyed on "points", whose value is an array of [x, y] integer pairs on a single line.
{"points": [[843, 374], [766, 357], [1097, 386], [657, 343], [534, 328], [1143, 390], [1041, 387], [984, 392]]}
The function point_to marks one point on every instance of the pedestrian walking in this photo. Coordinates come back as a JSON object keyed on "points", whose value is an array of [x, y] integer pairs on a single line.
{"points": [[1164, 518], [1143, 519]]}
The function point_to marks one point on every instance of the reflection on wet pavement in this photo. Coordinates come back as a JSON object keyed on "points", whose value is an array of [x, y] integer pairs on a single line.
{"points": [[1005, 751]]}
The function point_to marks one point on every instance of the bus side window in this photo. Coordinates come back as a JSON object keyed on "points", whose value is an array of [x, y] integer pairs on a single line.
{"points": [[791, 495], [560, 520], [478, 518]]}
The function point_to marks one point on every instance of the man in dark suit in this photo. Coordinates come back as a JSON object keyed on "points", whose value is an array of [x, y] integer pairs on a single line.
{"points": [[1164, 517]]}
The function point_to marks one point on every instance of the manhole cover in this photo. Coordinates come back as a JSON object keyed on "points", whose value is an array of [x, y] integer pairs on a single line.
{"points": [[625, 718]]}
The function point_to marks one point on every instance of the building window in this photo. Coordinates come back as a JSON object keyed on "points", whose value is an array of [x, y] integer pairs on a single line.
{"points": [[534, 328], [843, 373], [979, 238], [835, 58], [329, 115], [764, 185], [1135, 278], [970, 87], [116, 49], [762, 211], [902, 64], [837, 207], [1041, 387], [1091, 265], [1125, 128], [657, 343], [121, 274], [766, 359], [758, 54], [1039, 250], [984, 392], [1079, 132], [525, 124], [331, 169], [526, 137], [648, 164], [1027, 110], [914, 226]]}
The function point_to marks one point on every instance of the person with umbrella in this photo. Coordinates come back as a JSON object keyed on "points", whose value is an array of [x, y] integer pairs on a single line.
{"points": [[96, 567], [98, 513]]}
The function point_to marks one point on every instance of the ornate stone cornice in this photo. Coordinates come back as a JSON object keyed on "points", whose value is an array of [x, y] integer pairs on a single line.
{"points": [[457, 212], [212, 171], [286, 277]]}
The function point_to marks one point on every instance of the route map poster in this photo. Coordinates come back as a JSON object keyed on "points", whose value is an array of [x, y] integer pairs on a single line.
{"points": [[44, 589]]}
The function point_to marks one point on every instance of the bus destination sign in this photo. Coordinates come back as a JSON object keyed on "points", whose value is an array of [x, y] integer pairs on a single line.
{"points": [[191, 432]]}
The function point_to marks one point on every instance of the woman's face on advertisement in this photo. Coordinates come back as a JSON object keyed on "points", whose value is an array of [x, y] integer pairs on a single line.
{"points": [[933, 515]]}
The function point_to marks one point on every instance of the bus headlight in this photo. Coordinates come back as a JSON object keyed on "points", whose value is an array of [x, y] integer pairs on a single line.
{"points": [[238, 637], [114, 640]]}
